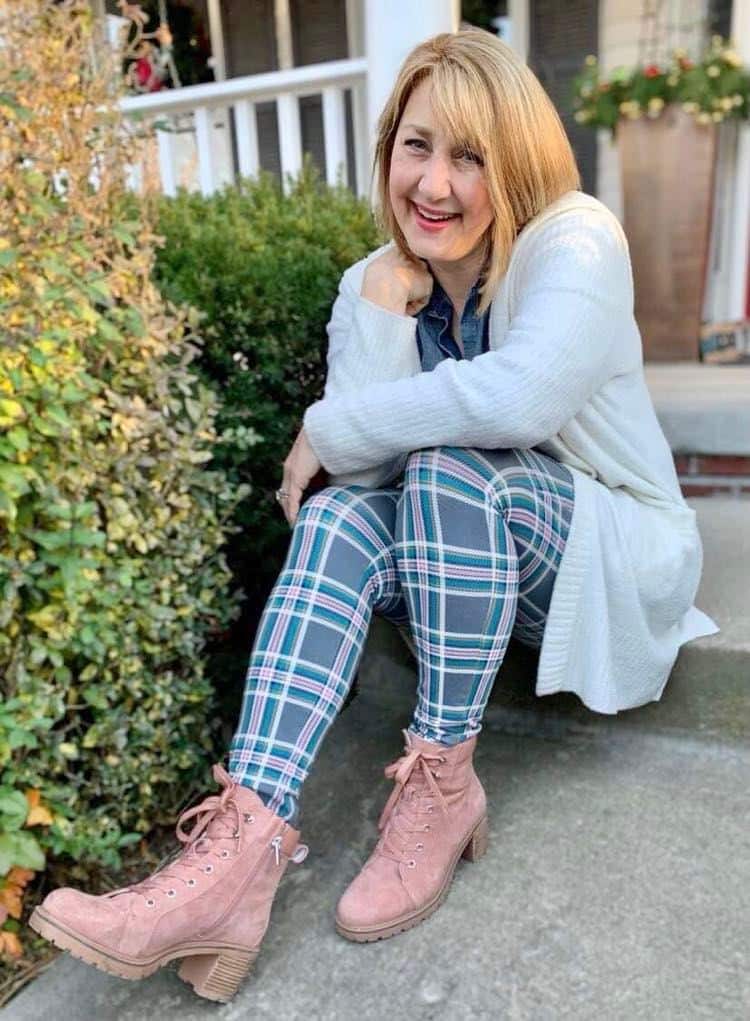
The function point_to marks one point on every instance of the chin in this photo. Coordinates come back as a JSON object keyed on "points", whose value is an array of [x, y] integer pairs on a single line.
{"points": [[420, 244]]}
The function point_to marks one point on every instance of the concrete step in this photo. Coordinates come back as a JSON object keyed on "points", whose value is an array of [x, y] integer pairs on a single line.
{"points": [[616, 885], [708, 693], [703, 409]]}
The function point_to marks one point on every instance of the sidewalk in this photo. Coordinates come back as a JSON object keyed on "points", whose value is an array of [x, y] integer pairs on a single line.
{"points": [[617, 886]]}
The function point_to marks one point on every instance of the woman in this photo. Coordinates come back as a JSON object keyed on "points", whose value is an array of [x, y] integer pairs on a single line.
{"points": [[496, 468]]}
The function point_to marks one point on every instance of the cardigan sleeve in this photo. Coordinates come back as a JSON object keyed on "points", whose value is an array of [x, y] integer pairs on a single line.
{"points": [[573, 284], [366, 344]]}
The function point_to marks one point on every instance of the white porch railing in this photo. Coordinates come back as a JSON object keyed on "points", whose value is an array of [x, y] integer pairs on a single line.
{"points": [[198, 151]]}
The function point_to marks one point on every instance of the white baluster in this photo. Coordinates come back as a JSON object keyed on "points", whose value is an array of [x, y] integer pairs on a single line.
{"points": [[334, 133], [203, 131], [247, 137], [290, 136], [167, 161], [362, 166]]}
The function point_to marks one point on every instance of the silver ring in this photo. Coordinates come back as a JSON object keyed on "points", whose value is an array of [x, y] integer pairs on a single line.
{"points": [[281, 494]]}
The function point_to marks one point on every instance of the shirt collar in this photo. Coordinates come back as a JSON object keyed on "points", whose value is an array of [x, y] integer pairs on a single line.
{"points": [[441, 307]]}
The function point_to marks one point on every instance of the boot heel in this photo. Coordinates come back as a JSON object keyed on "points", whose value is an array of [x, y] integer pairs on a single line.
{"points": [[478, 841], [217, 976]]}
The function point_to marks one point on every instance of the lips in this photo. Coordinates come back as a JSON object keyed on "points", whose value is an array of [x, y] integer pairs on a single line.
{"points": [[428, 226], [436, 213]]}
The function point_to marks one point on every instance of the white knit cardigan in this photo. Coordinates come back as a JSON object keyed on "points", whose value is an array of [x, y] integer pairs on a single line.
{"points": [[564, 373]]}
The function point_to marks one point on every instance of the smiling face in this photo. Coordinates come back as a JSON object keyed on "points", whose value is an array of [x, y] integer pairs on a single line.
{"points": [[430, 176]]}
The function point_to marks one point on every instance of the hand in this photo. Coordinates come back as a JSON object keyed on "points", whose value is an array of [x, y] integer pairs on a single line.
{"points": [[300, 466], [399, 284]]}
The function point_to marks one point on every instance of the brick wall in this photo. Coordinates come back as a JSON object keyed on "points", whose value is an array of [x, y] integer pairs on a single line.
{"points": [[713, 474]]}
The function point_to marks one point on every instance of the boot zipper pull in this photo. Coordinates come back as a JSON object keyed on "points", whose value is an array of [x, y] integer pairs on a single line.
{"points": [[276, 844]]}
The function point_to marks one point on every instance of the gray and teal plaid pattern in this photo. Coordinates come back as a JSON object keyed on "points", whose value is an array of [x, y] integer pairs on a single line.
{"points": [[463, 551]]}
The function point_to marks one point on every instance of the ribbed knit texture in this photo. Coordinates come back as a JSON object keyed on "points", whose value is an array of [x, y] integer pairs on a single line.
{"points": [[564, 373]]}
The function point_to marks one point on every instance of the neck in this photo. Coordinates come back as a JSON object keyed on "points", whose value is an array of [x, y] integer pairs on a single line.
{"points": [[457, 278]]}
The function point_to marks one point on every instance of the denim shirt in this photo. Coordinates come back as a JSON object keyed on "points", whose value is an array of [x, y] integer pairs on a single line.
{"points": [[434, 337]]}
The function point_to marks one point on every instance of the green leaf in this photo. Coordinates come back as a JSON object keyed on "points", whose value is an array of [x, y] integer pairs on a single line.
{"points": [[50, 540], [122, 234], [129, 838], [19, 437], [8, 508], [95, 697], [19, 738], [107, 330], [13, 810], [87, 537], [21, 850], [58, 415]]}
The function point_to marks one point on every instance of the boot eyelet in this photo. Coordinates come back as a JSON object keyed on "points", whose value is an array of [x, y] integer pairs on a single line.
{"points": [[427, 828], [208, 869], [429, 808], [411, 864], [248, 817], [225, 853], [236, 833], [443, 758], [420, 847], [171, 893], [436, 775], [150, 902], [191, 882]]}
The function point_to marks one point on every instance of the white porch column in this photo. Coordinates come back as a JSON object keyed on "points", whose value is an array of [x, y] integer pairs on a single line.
{"points": [[740, 237], [392, 29]]}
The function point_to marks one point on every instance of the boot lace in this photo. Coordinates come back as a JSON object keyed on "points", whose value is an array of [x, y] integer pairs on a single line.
{"points": [[412, 799], [218, 818]]}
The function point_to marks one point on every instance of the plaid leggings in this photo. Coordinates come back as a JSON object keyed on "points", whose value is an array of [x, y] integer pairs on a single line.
{"points": [[464, 555]]}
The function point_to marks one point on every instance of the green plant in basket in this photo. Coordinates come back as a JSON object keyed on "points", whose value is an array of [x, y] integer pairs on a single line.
{"points": [[712, 89]]}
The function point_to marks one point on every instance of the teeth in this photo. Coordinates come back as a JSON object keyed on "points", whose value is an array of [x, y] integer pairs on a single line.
{"points": [[431, 216]]}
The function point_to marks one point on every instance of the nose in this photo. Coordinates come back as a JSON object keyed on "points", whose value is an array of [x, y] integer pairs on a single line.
{"points": [[435, 182]]}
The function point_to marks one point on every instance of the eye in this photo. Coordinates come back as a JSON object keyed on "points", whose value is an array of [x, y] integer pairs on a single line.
{"points": [[418, 142], [470, 157]]}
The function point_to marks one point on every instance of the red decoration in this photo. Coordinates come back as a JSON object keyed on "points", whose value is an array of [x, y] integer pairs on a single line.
{"points": [[652, 71]]}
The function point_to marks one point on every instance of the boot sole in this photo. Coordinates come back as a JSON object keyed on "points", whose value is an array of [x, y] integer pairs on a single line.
{"points": [[214, 970], [472, 850]]}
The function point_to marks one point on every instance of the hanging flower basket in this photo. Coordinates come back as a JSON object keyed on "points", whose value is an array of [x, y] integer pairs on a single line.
{"points": [[665, 120], [711, 90]]}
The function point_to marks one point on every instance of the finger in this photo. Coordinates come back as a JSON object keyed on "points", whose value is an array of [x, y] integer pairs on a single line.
{"points": [[286, 485], [291, 504]]}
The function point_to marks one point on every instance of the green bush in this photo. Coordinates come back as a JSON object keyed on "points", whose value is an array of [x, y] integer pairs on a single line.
{"points": [[112, 523], [263, 268]]}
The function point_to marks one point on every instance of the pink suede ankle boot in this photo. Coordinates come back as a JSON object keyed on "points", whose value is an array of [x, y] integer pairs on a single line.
{"points": [[436, 813], [209, 907]]}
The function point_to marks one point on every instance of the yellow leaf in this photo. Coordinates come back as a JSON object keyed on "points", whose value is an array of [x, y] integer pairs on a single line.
{"points": [[11, 897], [19, 876], [10, 944], [39, 817]]}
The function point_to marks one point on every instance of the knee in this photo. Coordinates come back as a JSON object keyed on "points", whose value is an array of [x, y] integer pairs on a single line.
{"points": [[485, 476], [363, 514], [329, 504], [422, 465]]}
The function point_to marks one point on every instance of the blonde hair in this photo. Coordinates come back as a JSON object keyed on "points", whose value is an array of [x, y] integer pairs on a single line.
{"points": [[490, 101]]}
